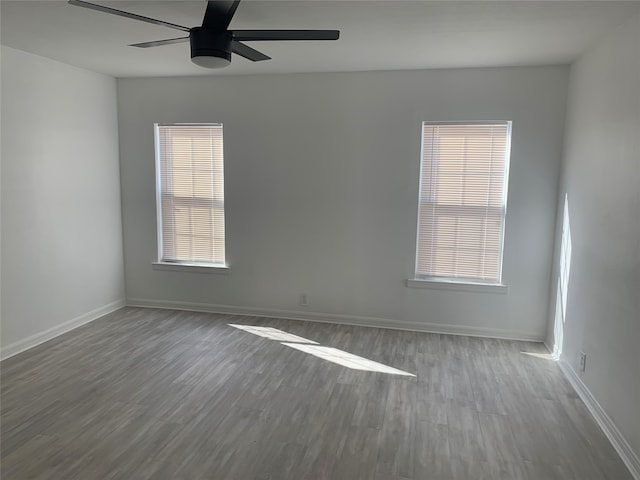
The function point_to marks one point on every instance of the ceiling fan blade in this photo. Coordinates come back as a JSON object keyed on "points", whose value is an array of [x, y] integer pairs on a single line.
{"points": [[159, 43], [247, 52], [113, 11], [219, 14], [258, 35]]}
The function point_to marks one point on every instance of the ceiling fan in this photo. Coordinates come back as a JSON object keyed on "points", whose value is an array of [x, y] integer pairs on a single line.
{"points": [[212, 43]]}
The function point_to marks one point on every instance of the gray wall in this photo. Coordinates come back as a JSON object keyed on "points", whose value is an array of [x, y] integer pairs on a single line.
{"points": [[61, 216], [321, 192], [601, 178]]}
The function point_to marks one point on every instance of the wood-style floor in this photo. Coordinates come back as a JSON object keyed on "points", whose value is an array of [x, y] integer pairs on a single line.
{"points": [[159, 394]]}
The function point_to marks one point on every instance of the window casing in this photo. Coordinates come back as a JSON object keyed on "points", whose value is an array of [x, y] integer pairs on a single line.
{"points": [[190, 194], [462, 201]]}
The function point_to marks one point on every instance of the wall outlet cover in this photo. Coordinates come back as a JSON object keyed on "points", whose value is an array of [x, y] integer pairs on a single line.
{"points": [[583, 362]]}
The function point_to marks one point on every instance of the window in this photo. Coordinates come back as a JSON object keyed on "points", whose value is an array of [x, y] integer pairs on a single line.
{"points": [[462, 201], [190, 194]]}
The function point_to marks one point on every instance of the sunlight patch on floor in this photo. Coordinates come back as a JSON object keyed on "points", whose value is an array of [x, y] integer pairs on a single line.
{"points": [[346, 359], [272, 333], [330, 354], [544, 356]]}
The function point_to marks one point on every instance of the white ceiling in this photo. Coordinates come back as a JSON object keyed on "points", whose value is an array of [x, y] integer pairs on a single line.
{"points": [[375, 35]]}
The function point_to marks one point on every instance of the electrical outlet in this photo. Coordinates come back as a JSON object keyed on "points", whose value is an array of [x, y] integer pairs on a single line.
{"points": [[583, 362], [304, 301]]}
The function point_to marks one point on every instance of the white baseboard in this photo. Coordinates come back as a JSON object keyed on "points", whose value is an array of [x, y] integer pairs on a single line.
{"points": [[620, 444], [339, 319], [41, 337]]}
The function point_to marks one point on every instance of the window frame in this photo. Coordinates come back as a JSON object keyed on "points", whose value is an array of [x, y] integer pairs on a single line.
{"points": [[177, 265], [463, 283]]}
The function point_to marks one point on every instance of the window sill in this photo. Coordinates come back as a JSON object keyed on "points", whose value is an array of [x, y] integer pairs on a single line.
{"points": [[192, 267], [458, 286]]}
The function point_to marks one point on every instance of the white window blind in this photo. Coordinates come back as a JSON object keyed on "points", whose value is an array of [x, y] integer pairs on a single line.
{"points": [[462, 204], [190, 169]]}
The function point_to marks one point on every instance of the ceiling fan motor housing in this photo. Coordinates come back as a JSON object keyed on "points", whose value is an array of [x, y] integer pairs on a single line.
{"points": [[210, 48]]}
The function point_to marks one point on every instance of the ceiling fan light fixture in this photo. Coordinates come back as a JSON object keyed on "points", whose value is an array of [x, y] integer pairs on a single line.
{"points": [[210, 61], [210, 49]]}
